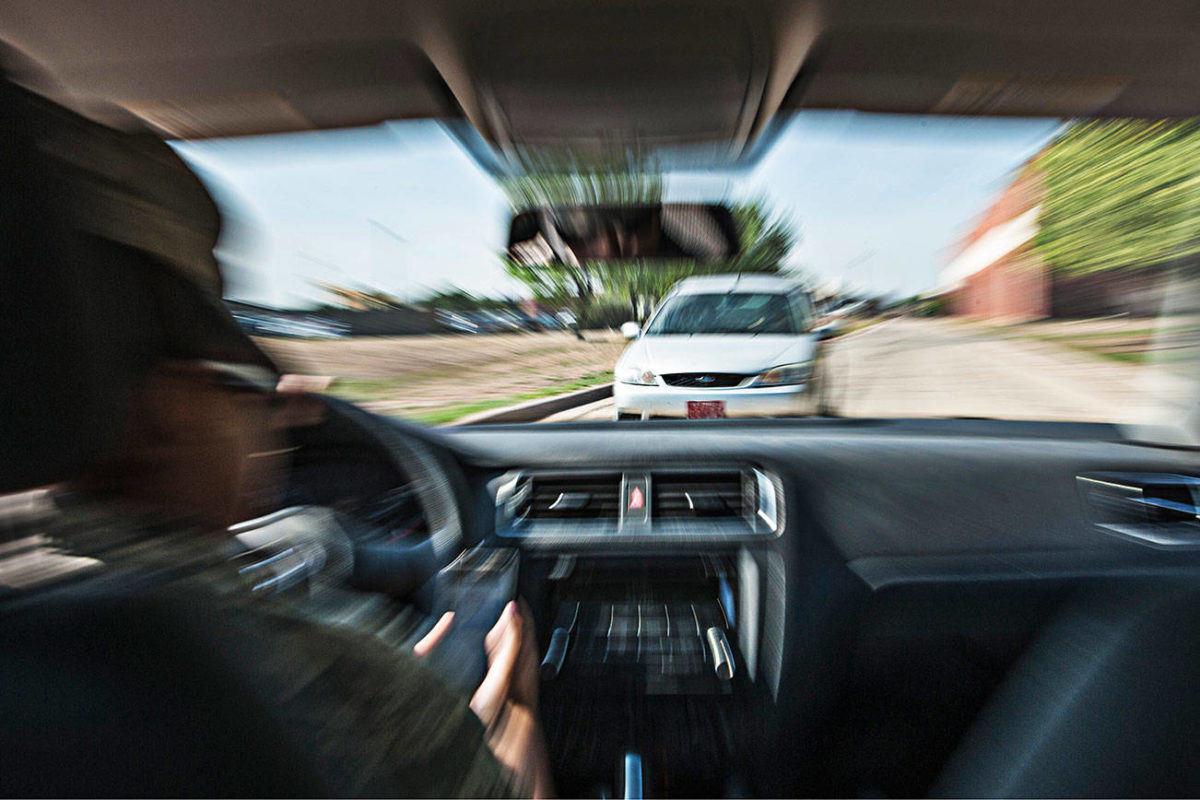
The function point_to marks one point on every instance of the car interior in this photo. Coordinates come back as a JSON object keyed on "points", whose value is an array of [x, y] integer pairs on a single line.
{"points": [[725, 608]]}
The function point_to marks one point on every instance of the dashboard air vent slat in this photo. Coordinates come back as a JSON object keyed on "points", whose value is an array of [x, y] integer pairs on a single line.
{"points": [[1154, 509], [570, 497], [698, 494]]}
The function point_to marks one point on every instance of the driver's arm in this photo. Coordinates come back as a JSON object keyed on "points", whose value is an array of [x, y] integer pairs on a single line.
{"points": [[379, 722]]}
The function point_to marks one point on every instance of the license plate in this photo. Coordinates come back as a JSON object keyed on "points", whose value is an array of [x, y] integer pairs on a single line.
{"points": [[706, 409]]}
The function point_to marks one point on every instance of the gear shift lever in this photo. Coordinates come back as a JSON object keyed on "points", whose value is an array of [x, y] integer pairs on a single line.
{"points": [[722, 654]]}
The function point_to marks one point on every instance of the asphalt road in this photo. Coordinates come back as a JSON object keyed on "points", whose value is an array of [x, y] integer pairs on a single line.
{"points": [[945, 368]]}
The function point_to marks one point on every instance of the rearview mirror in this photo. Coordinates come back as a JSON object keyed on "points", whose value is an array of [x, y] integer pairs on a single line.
{"points": [[575, 234], [631, 330], [825, 332]]}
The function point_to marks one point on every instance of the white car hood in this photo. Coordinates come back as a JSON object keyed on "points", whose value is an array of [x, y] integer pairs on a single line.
{"points": [[732, 352]]}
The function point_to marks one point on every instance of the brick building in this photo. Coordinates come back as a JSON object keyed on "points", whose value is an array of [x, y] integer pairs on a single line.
{"points": [[996, 272]]}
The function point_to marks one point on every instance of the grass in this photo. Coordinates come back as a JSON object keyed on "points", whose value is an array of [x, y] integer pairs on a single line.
{"points": [[1082, 346], [1138, 333], [1081, 343], [446, 414], [858, 325], [365, 390], [369, 390], [1095, 345]]}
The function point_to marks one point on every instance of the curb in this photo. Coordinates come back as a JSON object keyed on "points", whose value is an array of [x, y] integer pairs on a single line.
{"points": [[533, 410]]}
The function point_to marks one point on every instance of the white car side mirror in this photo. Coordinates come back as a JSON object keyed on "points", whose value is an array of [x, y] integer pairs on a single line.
{"points": [[631, 330]]}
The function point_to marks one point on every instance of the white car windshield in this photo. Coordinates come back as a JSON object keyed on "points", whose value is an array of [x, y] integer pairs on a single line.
{"points": [[750, 313]]}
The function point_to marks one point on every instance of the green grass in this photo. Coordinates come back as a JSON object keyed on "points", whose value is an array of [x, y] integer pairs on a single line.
{"points": [[445, 414], [1132, 333], [858, 325], [365, 390], [1101, 344], [1124, 356], [1081, 345], [440, 416]]}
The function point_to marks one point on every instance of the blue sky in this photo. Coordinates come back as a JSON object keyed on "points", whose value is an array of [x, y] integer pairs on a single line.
{"points": [[878, 200]]}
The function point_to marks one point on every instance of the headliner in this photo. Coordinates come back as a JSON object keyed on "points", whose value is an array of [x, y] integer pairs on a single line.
{"points": [[538, 78]]}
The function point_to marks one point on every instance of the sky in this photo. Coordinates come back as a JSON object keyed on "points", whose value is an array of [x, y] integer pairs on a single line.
{"points": [[879, 202]]}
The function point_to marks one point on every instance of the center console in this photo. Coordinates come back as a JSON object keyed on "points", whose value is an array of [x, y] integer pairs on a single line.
{"points": [[647, 603], [641, 676]]}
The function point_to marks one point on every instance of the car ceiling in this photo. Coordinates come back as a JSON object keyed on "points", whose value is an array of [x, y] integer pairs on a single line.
{"points": [[587, 76]]}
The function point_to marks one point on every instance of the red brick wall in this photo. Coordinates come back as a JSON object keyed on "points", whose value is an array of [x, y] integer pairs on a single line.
{"points": [[1015, 287]]}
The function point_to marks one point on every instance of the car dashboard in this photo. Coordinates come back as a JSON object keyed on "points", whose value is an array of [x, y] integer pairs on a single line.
{"points": [[797, 608]]}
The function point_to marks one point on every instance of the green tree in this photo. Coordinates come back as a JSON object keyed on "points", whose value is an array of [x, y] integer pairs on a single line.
{"points": [[767, 239], [554, 283], [459, 299], [583, 186], [570, 184], [1119, 194]]}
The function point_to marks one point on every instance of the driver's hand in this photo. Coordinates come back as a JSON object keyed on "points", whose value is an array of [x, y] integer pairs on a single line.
{"points": [[431, 640], [506, 700]]}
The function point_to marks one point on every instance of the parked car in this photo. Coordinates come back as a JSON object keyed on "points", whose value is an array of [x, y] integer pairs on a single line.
{"points": [[849, 309], [249, 322], [506, 320], [721, 346], [527, 322], [303, 327], [548, 321], [483, 322], [458, 323]]}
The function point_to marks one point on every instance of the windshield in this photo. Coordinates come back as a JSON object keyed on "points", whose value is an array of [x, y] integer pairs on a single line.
{"points": [[1034, 269], [725, 313]]}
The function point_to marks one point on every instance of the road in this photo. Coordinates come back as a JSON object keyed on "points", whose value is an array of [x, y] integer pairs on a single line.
{"points": [[946, 368]]}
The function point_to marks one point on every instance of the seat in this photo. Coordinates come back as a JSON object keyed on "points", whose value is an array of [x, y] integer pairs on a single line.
{"points": [[1104, 704], [112, 691]]}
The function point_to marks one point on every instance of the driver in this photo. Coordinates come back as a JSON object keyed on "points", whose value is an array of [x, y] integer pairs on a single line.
{"points": [[131, 390]]}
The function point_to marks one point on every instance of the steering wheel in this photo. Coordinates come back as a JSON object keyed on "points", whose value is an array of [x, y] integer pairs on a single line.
{"points": [[361, 548], [432, 476]]}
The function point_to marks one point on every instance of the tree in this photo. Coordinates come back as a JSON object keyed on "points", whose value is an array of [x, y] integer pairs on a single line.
{"points": [[767, 239], [569, 184], [1119, 194], [555, 283], [458, 299], [584, 186]]}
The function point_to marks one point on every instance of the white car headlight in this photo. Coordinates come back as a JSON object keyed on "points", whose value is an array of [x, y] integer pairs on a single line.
{"points": [[636, 376], [786, 375]]}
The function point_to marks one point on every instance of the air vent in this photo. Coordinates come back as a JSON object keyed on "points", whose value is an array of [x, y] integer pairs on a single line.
{"points": [[698, 494], [587, 496], [669, 504], [1156, 509]]}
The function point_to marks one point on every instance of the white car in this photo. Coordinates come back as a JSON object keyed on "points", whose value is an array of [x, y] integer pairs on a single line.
{"points": [[722, 346]]}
